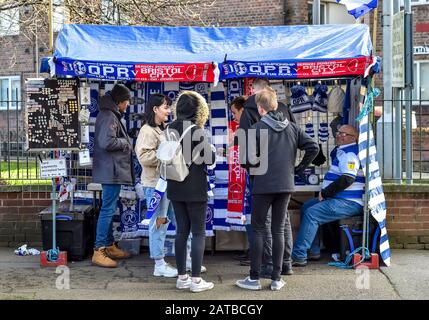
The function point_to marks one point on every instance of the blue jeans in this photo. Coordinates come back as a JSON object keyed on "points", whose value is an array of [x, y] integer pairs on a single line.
{"points": [[315, 213], [157, 236], [110, 199]]}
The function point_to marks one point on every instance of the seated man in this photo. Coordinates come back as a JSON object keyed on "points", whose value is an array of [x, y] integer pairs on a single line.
{"points": [[341, 196]]}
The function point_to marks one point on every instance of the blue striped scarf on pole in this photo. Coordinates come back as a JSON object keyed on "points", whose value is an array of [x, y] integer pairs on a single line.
{"points": [[376, 200]]}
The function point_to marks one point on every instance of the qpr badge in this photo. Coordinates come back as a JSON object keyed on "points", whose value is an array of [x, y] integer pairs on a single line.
{"points": [[240, 68], [129, 218], [154, 201], [79, 68]]}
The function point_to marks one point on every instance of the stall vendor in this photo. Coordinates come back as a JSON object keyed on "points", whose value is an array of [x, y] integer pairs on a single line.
{"points": [[341, 196]]}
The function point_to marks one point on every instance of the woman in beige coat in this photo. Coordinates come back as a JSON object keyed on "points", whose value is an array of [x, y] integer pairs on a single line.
{"points": [[157, 112]]}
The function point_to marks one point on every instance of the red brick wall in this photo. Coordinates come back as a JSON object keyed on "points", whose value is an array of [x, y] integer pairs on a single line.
{"points": [[252, 13], [19, 220], [408, 218]]}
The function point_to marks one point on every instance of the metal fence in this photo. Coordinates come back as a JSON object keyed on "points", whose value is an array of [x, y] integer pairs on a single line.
{"points": [[20, 168], [391, 137]]}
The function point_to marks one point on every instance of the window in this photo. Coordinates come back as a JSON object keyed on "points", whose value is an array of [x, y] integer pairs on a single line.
{"points": [[419, 2], [10, 93], [322, 13], [413, 2], [421, 81], [9, 22]]}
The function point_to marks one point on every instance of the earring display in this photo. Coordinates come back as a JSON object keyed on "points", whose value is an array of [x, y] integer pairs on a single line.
{"points": [[52, 114]]}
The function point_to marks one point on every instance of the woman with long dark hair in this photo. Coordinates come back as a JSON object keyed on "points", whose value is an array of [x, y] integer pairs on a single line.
{"points": [[156, 115]]}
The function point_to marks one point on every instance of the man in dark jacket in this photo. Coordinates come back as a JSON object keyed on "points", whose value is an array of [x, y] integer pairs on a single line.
{"points": [[271, 157], [250, 113], [249, 117], [112, 167]]}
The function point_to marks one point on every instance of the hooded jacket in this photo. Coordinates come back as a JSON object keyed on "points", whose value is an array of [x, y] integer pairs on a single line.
{"points": [[194, 187], [272, 158], [112, 148], [251, 115]]}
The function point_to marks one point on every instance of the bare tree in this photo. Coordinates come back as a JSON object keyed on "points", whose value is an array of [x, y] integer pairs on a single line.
{"points": [[29, 18]]}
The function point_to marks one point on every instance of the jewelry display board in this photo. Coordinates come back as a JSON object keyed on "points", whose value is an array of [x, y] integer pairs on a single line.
{"points": [[52, 115]]}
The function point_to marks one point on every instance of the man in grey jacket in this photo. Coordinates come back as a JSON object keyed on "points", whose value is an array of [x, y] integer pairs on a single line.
{"points": [[271, 154], [112, 167]]}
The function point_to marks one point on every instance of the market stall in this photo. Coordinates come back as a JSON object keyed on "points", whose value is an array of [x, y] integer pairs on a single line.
{"points": [[307, 63]]}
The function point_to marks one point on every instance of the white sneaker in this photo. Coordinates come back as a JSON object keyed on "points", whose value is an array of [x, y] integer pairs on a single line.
{"points": [[189, 267], [201, 286], [277, 285], [165, 270], [184, 284]]}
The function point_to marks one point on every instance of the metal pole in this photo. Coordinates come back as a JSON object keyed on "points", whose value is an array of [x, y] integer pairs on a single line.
{"points": [[51, 27], [408, 91], [316, 11], [36, 50], [366, 204], [54, 216], [385, 123], [397, 123]]}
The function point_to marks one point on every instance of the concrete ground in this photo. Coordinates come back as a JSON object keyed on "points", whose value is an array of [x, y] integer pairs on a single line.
{"points": [[23, 278]]}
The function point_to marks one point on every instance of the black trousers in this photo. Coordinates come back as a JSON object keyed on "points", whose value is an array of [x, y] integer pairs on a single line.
{"points": [[260, 205], [190, 217]]}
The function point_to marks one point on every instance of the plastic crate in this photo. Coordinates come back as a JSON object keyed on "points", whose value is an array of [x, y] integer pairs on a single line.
{"points": [[75, 230]]}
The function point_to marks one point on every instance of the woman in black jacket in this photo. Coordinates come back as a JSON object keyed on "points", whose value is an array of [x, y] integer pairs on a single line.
{"points": [[189, 197]]}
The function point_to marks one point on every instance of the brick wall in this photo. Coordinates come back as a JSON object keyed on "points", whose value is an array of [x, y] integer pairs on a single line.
{"points": [[247, 13], [408, 216], [19, 220]]}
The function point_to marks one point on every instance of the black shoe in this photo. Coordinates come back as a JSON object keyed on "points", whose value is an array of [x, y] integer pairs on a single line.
{"points": [[241, 257], [299, 263], [287, 270], [313, 257]]}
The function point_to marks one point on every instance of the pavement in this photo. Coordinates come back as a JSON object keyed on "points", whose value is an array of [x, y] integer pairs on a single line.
{"points": [[23, 278]]}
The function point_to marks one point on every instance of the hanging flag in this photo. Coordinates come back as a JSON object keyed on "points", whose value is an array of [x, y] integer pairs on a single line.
{"points": [[376, 200], [358, 8]]}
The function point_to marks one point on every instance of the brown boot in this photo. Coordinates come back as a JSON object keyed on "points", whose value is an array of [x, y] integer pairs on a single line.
{"points": [[101, 259], [114, 252]]}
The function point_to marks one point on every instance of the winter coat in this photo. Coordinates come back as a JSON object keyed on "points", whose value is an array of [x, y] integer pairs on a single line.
{"points": [[251, 115], [147, 143], [194, 187], [112, 147], [279, 150]]}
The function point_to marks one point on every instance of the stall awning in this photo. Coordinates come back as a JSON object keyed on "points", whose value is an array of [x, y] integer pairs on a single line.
{"points": [[192, 53]]}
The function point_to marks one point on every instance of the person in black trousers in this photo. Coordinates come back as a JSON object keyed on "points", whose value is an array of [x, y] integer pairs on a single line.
{"points": [[271, 156], [249, 117], [189, 197]]}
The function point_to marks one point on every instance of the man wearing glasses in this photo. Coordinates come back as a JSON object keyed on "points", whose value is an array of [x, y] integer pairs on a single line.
{"points": [[341, 196]]}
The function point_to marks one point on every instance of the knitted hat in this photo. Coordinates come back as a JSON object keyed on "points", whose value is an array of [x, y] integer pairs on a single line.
{"points": [[299, 101], [320, 98], [120, 93], [336, 100]]}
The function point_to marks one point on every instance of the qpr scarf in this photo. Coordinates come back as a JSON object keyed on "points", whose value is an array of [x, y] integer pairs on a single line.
{"points": [[158, 194]]}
